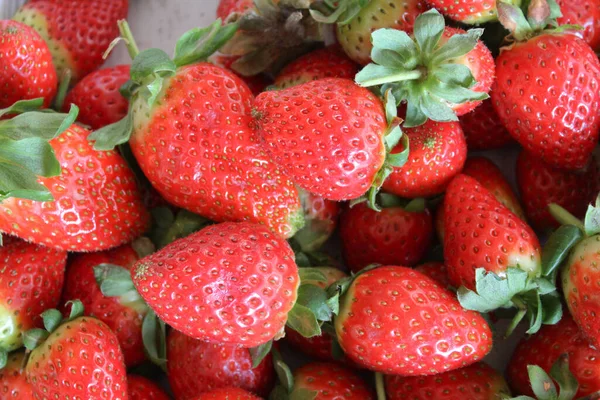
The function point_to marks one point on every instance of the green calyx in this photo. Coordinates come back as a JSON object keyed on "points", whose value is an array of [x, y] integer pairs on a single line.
{"points": [[167, 227], [339, 12], [539, 16], [52, 319], [286, 388], [422, 70]]}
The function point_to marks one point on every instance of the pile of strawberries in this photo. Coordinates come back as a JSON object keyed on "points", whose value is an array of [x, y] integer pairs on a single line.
{"points": [[186, 225]]}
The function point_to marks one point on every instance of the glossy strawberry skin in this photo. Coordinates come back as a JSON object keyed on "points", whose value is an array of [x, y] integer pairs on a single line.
{"points": [[13, 383], [436, 271], [27, 71], [534, 79], [227, 394], [61, 367], [195, 366], [585, 14], [392, 236], [541, 185], [97, 204], [545, 347], [31, 280], [441, 336], [480, 232], [124, 320], [437, 153], [339, 165], [186, 130], [331, 381], [98, 97], [475, 382], [228, 283], [483, 129], [141, 388]]}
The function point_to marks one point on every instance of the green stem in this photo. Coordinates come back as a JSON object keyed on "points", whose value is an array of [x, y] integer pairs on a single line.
{"points": [[126, 34], [564, 217], [65, 82], [518, 317], [400, 76], [380, 386]]}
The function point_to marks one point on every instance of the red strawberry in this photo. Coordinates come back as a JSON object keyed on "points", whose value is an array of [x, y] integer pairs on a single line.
{"points": [[330, 381], [228, 283], [31, 280], [470, 12], [98, 97], [26, 69], [321, 219], [475, 382], [195, 366], [78, 33], [441, 335], [228, 7], [541, 185], [227, 394], [483, 129], [436, 271], [585, 14], [393, 236], [13, 383], [96, 201], [437, 153], [330, 62], [545, 347], [256, 83], [141, 388]]}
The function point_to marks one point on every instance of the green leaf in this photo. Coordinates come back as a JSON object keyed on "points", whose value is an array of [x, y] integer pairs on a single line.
{"points": [[76, 309], [52, 319], [303, 394], [200, 43], [454, 94], [303, 320], [513, 19], [39, 124], [33, 154], [558, 246], [152, 62], [259, 352], [34, 337], [435, 109], [154, 337], [23, 106], [552, 308], [110, 136], [279, 393], [374, 75], [541, 383], [457, 74], [3, 358], [592, 218], [398, 160], [315, 299], [184, 224], [311, 274], [18, 182], [286, 378], [394, 48], [457, 46], [562, 375], [341, 12], [428, 30], [113, 280]]}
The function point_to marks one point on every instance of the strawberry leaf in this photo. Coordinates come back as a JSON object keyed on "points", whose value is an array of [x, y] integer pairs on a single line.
{"points": [[541, 383], [592, 218], [23, 106], [311, 274], [557, 248], [341, 12], [303, 394], [200, 43], [258, 353], [284, 374], [428, 30], [315, 299], [113, 280], [76, 309], [303, 320], [3, 358], [110, 136], [34, 337], [562, 375], [154, 337], [52, 319]]}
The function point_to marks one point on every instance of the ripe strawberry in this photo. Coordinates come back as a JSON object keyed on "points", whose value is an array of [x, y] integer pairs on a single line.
{"points": [[195, 366], [227, 394], [31, 280], [585, 14], [475, 382], [256, 83], [98, 97], [330, 381], [321, 219], [13, 383], [436, 271], [227, 7], [396, 235], [141, 388], [437, 154], [330, 62], [96, 201], [441, 336], [26, 69], [545, 347], [470, 12], [483, 129], [78, 33], [534, 77]]}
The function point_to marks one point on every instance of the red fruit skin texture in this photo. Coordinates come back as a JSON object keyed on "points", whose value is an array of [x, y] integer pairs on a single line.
{"points": [[141, 388], [475, 382], [469, 12], [13, 383], [98, 98], [227, 394], [228, 7], [31, 280], [585, 14], [330, 62], [483, 129], [331, 382], [327, 135], [392, 236], [413, 325], [436, 271], [541, 185], [198, 149], [97, 204], [545, 347], [125, 321], [63, 366], [438, 151], [480, 232], [26, 69], [228, 283], [546, 95], [195, 366]]}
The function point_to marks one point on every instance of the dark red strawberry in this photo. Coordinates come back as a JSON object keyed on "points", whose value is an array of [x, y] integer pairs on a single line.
{"points": [[227, 394], [585, 14], [330, 381], [141, 388], [436, 271], [483, 129], [13, 383]]}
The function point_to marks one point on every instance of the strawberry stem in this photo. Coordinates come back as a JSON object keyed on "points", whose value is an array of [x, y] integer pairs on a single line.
{"points": [[127, 36], [380, 386], [398, 77], [63, 88], [564, 217]]}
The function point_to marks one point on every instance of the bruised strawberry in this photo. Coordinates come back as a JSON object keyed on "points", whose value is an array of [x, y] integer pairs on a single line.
{"points": [[141, 388], [13, 383], [483, 129]]}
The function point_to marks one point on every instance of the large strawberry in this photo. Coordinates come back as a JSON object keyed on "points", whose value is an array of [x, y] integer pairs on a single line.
{"points": [[483, 129], [441, 336], [26, 69], [13, 383], [471, 11], [141, 388], [321, 220], [31, 280], [202, 156], [78, 33], [585, 14], [535, 76]]}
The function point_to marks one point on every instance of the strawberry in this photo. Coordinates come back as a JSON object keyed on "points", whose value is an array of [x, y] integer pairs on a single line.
{"points": [[26, 69], [330, 381], [437, 153], [98, 97], [227, 394], [78, 33], [69, 354], [256, 83], [31, 280], [195, 366], [397, 235], [321, 219], [483, 130], [475, 382], [585, 14], [330, 62], [228, 7], [471, 11], [541, 185], [534, 77], [436, 271], [13, 383], [441, 335], [141, 388], [547, 346]]}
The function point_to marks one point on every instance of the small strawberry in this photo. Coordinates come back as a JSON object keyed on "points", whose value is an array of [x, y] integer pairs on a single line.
{"points": [[141, 388], [475, 382], [585, 14], [471, 11], [78, 33], [227, 394], [195, 366], [436, 271], [329, 381], [483, 129], [26, 69], [399, 234], [98, 97], [13, 383], [441, 335], [320, 221], [31, 280]]}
